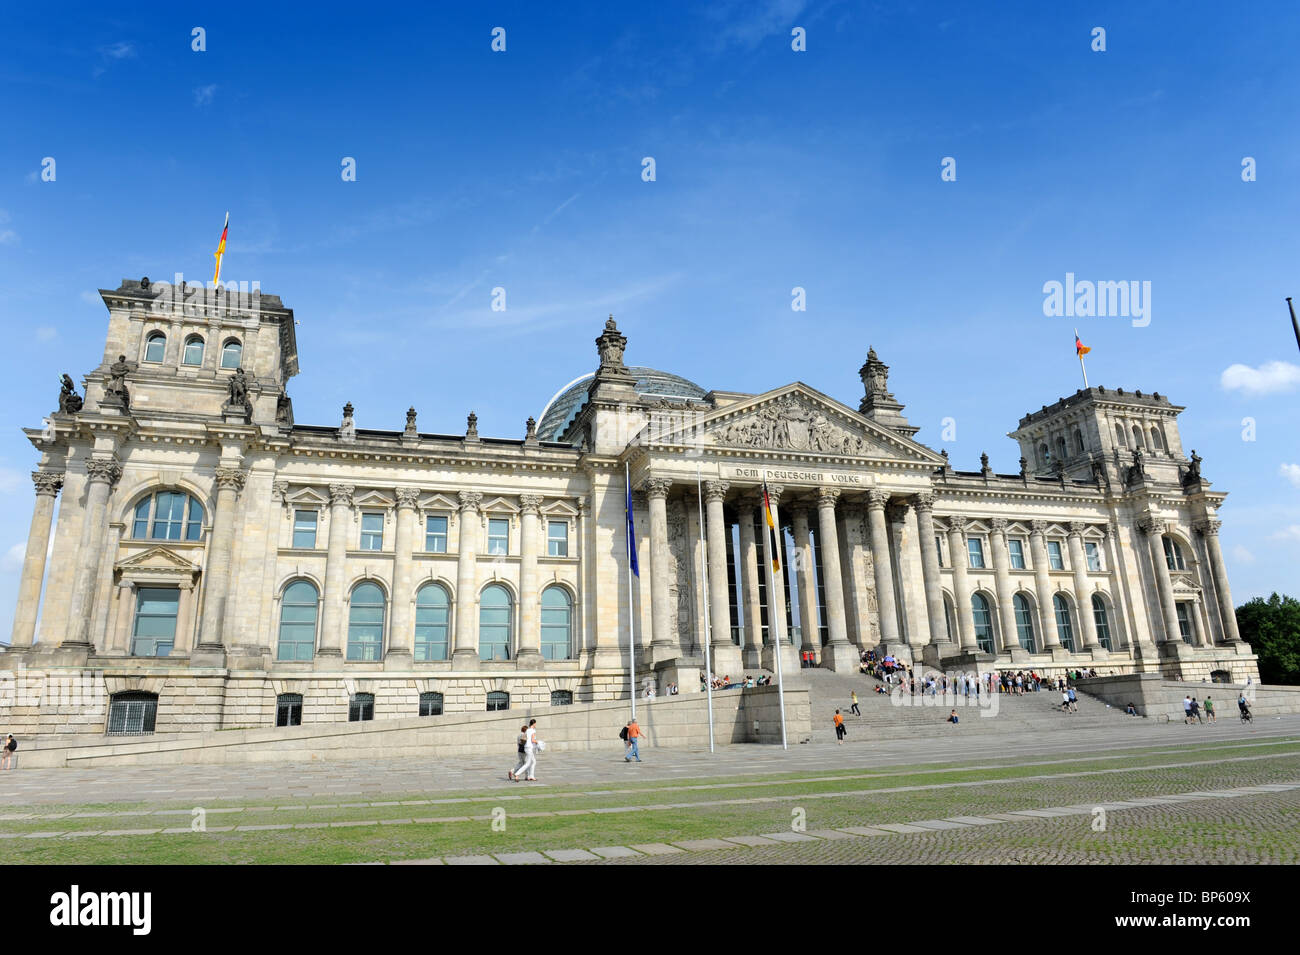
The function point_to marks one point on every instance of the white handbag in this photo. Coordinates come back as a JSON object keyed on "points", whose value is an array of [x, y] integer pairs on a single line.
{"points": [[541, 746]]}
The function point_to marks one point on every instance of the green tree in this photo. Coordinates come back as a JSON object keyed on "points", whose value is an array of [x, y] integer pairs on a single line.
{"points": [[1272, 628]]}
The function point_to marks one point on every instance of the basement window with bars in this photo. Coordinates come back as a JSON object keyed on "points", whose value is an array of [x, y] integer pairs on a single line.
{"points": [[132, 714]]}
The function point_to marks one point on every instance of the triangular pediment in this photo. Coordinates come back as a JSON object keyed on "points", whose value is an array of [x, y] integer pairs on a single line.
{"points": [[157, 559], [438, 502], [793, 419]]}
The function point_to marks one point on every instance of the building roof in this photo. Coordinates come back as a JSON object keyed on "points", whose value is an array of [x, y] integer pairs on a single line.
{"points": [[568, 401]]}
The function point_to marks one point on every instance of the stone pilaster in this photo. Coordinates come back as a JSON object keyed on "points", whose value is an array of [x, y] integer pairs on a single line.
{"points": [[529, 654], [465, 656], [1082, 592], [48, 484], [1219, 572], [838, 654], [961, 583], [726, 655], [1043, 586], [336, 559], [102, 475], [883, 565], [216, 568], [401, 630]]}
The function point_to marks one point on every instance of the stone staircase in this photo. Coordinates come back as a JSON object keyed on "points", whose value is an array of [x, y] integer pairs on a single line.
{"points": [[926, 717]]}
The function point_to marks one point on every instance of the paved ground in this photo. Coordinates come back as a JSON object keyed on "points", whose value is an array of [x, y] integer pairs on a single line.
{"points": [[382, 777]]}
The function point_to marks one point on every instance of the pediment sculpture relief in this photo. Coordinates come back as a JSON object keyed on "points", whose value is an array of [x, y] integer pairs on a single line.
{"points": [[789, 424]]}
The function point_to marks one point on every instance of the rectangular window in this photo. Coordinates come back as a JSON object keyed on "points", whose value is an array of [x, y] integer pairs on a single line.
{"points": [[372, 531], [155, 621], [557, 538], [498, 535], [1185, 623], [938, 548], [1054, 555], [1094, 557], [435, 535], [976, 548], [304, 529], [1017, 550]]}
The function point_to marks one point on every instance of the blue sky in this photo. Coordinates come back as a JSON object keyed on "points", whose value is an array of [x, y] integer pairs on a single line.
{"points": [[775, 169]]}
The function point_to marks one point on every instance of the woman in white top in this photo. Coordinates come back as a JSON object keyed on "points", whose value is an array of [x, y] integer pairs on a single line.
{"points": [[530, 754]]}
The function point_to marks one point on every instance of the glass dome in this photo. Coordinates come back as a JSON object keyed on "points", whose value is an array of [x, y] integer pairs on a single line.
{"points": [[650, 383]]}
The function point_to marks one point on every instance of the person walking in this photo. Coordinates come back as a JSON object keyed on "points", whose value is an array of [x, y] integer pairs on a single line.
{"points": [[529, 766], [1196, 710], [1074, 700], [634, 735], [519, 743], [10, 748], [854, 708], [1187, 710], [1209, 711], [1065, 702], [839, 728]]}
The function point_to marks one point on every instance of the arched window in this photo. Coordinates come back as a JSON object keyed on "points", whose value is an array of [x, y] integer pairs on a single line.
{"points": [[155, 347], [1156, 444], [561, 697], [1061, 453], [948, 619], [366, 622], [298, 621], [432, 616], [1024, 622], [979, 606], [288, 709], [498, 700], [1119, 435], [361, 707], [1078, 441], [1174, 555], [1043, 456], [557, 611], [495, 619], [431, 704], [193, 354], [168, 516], [132, 714], [1063, 625], [1137, 437], [232, 354], [1102, 621]]}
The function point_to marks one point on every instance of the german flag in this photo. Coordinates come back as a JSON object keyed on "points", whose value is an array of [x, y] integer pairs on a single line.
{"points": [[1080, 349], [221, 250], [773, 547]]}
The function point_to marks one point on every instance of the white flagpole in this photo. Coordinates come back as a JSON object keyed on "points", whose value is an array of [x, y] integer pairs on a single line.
{"points": [[631, 606], [1081, 365], [771, 609], [708, 636]]}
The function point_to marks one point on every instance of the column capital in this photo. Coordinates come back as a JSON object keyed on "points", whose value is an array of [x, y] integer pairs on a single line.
{"points": [[957, 524], [530, 503], [923, 500], [715, 490], [877, 499], [103, 472], [657, 488], [47, 483], [999, 525], [1152, 526], [827, 496], [279, 491], [1037, 528], [1077, 528], [230, 478], [407, 496], [1208, 527], [774, 492], [341, 494], [470, 500]]}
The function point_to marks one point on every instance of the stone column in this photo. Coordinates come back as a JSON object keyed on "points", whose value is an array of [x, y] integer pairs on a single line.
{"points": [[776, 629], [529, 653], [465, 654], [924, 503], [119, 637], [401, 630], [1219, 572], [184, 621], [746, 508], [876, 501], [838, 654], [216, 568], [805, 577], [336, 567], [1155, 531], [961, 582], [1002, 580], [726, 655], [102, 475], [48, 484], [661, 611], [1043, 585], [1082, 592]]}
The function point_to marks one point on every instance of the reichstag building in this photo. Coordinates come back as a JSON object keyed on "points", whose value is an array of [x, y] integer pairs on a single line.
{"points": [[216, 564]]}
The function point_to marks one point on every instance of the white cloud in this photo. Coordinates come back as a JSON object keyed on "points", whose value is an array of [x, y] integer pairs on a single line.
{"points": [[1272, 377], [203, 94], [1291, 472], [8, 237], [46, 334], [1289, 533], [118, 51], [1242, 556], [12, 561]]}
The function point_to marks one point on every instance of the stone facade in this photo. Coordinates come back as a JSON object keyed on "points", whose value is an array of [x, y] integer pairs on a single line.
{"points": [[214, 557]]}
